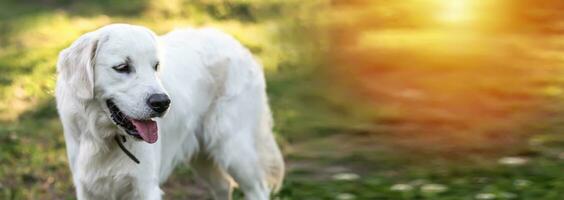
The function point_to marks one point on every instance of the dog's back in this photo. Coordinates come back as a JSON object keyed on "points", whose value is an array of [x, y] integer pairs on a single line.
{"points": [[230, 97]]}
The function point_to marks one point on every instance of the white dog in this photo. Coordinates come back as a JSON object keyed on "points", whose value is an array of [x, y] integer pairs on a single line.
{"points": [[114, 87]]}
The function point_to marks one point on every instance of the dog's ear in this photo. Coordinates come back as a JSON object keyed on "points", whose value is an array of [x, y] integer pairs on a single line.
{"points": [[76, 65]]}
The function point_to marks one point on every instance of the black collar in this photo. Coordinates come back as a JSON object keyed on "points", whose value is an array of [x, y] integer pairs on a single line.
{"points": [[120, 144]]}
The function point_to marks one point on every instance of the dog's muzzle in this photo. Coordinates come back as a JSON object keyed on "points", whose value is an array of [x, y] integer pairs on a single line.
{"points": [[144, 129]]}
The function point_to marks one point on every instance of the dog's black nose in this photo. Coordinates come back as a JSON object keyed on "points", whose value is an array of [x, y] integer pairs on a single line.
{"points": [[158, 102]]}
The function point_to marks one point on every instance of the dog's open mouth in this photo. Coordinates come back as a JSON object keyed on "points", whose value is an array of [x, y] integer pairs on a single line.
{"points": [[144, 129]]}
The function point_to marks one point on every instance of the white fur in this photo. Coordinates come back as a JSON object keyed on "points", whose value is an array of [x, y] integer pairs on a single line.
{"points": [[219, 119]]}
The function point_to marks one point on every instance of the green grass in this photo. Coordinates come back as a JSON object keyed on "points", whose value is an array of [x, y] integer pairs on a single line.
{"points": [[327, 130]]}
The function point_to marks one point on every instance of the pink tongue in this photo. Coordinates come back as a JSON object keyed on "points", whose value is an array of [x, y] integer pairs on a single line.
{"points": [[147, 129]]}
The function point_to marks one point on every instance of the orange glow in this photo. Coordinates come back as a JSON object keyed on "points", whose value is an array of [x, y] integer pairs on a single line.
{"points": [[456, 11], [447, 65]]}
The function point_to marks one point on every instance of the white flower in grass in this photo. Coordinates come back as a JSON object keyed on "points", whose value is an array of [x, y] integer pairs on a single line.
{"points": [[13, 136], [433, 188], [536, 142], [401, 187], [507, 195], [561, 156], [513, 161], [521, 183], [485, 196], [346, 177], [346, 196], [418, 182], [482, 179]]}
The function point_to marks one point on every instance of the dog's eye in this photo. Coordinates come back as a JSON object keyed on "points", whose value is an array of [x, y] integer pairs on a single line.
{"points": [[123, 68], [156, 67]]}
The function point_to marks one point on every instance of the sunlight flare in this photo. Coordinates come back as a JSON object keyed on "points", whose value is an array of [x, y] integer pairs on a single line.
{"points": [[455, 11]]}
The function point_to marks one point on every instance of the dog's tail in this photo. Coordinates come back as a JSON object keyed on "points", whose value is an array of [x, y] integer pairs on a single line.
{"points": [[269, 152]]}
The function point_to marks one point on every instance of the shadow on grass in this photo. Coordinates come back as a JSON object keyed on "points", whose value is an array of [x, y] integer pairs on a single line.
{"points": [[33, 156]]}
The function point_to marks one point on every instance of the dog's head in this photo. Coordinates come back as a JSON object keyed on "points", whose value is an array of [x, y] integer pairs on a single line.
{"points": [[116, 66]]}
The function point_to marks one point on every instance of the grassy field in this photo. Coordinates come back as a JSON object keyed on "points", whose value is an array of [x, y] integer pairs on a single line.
{"points": [[375, 113]]}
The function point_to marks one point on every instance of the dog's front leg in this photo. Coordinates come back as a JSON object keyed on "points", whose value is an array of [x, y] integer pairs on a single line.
{"points": [[149, 191], [142, 191], [81, 193]]}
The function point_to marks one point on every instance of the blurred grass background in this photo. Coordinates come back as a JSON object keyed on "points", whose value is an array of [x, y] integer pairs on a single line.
{"points": [[415, 99]]}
